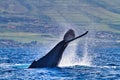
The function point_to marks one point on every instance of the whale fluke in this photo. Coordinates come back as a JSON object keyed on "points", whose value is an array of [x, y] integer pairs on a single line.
{"points": [[69, 35], [53, 57]]}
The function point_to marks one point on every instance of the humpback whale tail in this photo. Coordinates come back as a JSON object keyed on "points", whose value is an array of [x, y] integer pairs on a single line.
{"points": [[53, 57]]}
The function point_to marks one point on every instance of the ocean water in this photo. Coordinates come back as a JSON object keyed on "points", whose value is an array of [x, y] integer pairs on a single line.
{"points": [[87, 61], [104, 65]]}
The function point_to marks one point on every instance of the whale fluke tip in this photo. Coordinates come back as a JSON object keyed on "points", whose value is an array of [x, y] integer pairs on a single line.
{"points": [[70, 34], [86, 32]]}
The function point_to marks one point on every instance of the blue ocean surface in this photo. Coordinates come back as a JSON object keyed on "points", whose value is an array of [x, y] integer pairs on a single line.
{"points": [[14, 64], [44, 22]]}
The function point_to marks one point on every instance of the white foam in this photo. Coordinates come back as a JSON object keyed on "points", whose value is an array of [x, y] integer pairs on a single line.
{"points": [[70, 58]]}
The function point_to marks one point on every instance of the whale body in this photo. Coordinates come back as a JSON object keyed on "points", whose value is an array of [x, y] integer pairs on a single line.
{"points": [[52, 58]]}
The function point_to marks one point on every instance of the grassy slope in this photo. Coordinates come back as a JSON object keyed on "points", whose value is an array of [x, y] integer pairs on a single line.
{"points": [[96, 16], [27, 37], [90, 14]]}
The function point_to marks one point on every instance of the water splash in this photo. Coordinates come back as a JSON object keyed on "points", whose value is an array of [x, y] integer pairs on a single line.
{"points": [[70, 58], [86, 59]]}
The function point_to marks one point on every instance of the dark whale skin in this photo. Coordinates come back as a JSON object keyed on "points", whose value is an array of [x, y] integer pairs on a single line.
{"points": [[52, 58]]}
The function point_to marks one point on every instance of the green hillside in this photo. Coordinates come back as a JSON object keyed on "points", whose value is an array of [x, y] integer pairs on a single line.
{"points": [[25, 20]]}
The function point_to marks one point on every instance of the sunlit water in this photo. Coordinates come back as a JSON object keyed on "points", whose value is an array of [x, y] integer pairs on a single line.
{"points": [[14, 64]]}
